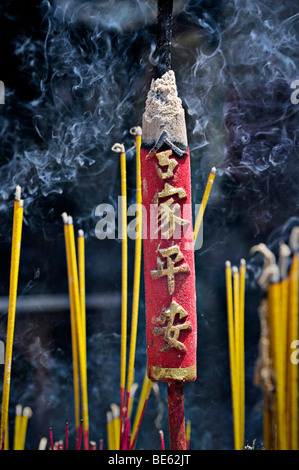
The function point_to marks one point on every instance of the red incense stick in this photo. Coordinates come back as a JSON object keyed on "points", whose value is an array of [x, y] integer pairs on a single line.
{"points": [[171, 326]]}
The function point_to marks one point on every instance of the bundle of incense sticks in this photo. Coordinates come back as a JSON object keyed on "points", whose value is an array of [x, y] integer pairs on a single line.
{"points": [[76, 280], [276, 370], [235, 294]]}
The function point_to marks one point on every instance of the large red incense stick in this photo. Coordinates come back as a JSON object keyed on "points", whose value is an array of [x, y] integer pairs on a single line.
{"points": [[171, 326]]}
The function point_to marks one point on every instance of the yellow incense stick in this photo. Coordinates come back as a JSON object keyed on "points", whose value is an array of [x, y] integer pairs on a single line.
{"points": [[6, 443], [81, 268], [231, 338], [275, 306], [110, 431], [292, 384], [131, 401], [115, 426], [13, 287], [188, 433], [204, 202], [81, 273], [284, 253], [82, 356], [76, 380], [137, 270], [144, 395], [242, 347], [27, 413], [236, 291], [17, 427], [124, 295]]}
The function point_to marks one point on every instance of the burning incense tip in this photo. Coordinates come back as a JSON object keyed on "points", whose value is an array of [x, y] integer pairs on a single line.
{"points": [[19, 409], [284, 250], [213, 170], [115, 410], [70, 220], [294, 239], [242, 262], [18, 193], [43, 443], [64, 218], [284, 253], [164, 112], [136, 130], [80, 233], [27, 412], [118, 148], [227, 264], [234, 269]]}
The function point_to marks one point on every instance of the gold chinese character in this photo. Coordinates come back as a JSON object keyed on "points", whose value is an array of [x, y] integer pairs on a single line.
{"points": [[167, 218], [170, 331], [169, 191], [171, 268], [164, 160]]}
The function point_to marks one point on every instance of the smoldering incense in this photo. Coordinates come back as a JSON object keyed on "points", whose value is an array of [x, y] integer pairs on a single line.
{"points": [[164, 130]]}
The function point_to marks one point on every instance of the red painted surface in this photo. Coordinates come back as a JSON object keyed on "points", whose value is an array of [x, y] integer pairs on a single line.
{"points": [[157, 294]]}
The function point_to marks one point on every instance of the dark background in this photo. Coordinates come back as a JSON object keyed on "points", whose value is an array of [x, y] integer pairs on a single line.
{"points": [[76, 76]]}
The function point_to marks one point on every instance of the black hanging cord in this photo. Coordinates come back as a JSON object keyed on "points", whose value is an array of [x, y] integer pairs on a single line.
{"points": [[164, 35]]}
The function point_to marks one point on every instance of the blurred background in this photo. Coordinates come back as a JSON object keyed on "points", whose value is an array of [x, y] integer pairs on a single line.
{"points": [[76, 77]]}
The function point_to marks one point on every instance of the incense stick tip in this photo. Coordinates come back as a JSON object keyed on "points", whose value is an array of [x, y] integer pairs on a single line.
{"points": [[18, 193], [284, 250], [18, 409], [64, 218], [213, 170], [242, 262], [227, 264], [235, 270], [70, 220], [136, 130], [43, 443], [118, 148], [80, 233], [115, 410], [294, 239], [27, 411]]}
